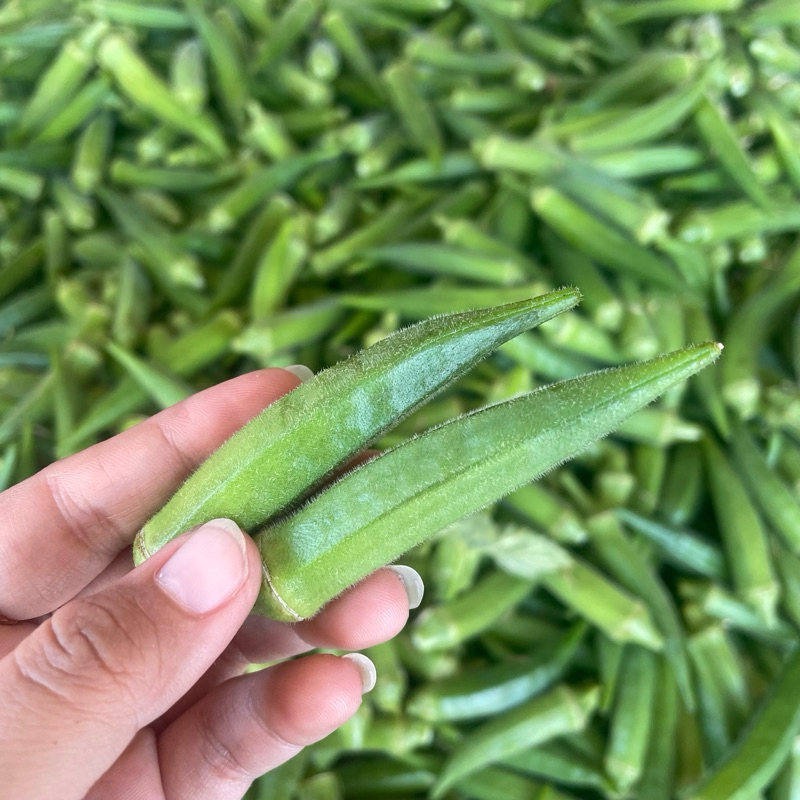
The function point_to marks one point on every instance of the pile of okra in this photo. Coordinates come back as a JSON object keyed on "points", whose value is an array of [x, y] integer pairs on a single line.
{"points": [[193, 189]]}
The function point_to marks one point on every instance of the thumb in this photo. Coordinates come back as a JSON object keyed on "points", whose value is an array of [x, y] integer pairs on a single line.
{"points": [[77, 690]]}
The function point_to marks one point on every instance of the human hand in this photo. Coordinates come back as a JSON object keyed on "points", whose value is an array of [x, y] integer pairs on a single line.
{"points": [[128, 683]]}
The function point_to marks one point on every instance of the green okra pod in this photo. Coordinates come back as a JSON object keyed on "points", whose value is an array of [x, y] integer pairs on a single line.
{"points": [[459, 552], [529, 157], [600, 240], [493, 783], [707, 384], [561, 710], [632, 718], [549, 512], [78, 210], [260, 185], [390, 690], [721, 139], [609, 661], [336, 217], [371, 777], [353, 48], [655, 9], [23, 308], [649, 465], [788, 567], [298, 16], [755, 758], [445, 260], [430, 665], [716, 224], [466, 233], [787, 786], [188, 79], [721, 688], [684, 549], [485, 691], [375, 389], [681, 493], [147, 90], [32, 408], [146, 15], [192, 351], [658, 427], [444, 626], [21, 267], [748, 327], [414, 111], [132, 304], [635, 212], [717, 603], [164, 389], [645, 162], [619, 555], [560, 763], [270, 335], [602, 302], [397, 735], [774, 499], [232, 78], [657, 780], [170, 264], [60, 81], [579, 335], [744, 536], [91, 153], [22, 182], [643, 124], [279, 267], [450, 471], [248, 254], [544, 359]]}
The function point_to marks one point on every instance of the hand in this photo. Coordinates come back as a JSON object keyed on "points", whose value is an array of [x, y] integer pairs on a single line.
{"points": [[128, 683]]}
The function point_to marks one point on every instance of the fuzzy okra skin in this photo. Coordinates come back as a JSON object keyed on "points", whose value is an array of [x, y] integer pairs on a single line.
{"points": [[375, 513], [326, 420]]}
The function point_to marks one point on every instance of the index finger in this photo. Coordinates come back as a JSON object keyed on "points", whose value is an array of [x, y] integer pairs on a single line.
{"points": [[66, 524]]}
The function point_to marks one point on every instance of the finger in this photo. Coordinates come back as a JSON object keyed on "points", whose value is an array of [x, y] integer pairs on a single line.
{"points": [[65, 524], [367, 614], [135, 775], [115, 571], [12, 635], [253, 723], [77, 690], [359, 619]]}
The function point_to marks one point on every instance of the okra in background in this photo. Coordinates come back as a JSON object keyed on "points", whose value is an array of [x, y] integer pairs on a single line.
{"points": [[193, 190]]}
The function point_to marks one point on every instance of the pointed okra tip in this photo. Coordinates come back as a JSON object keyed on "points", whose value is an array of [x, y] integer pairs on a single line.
{"points": [[694, 358]]}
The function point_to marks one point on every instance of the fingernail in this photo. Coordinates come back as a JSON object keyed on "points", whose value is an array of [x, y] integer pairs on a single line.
{"points": [[369, 674], [412, 583], [208, 569], [300, 371]]}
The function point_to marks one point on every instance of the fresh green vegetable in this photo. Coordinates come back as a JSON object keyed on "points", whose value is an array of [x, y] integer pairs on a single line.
{"points": [[359, 399], [445, 474], [190, 191]]}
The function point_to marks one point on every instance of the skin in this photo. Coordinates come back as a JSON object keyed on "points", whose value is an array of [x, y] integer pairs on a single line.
{"points": [[111, 688]]}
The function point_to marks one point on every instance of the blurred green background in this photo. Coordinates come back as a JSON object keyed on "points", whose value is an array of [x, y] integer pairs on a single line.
{"points": [[192, 190]]}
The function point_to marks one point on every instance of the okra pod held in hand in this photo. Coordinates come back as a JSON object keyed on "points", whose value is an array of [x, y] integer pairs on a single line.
{"points": [[323, 422], [392, 503]]}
